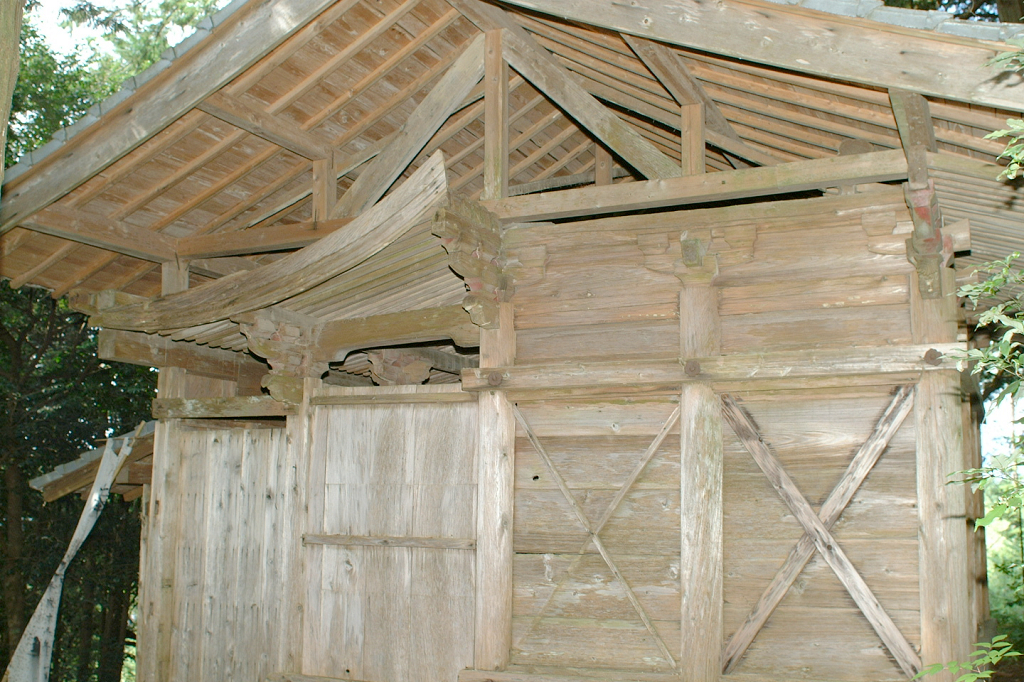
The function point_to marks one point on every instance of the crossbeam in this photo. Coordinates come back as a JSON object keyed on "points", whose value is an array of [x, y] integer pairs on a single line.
{"points": [[798, 176], [724, 372]]}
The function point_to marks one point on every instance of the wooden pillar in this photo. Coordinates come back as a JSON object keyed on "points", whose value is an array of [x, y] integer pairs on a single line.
{"points": [[700, 426], [495, 118], [325, 189], [304, 601], [603, 164], [156, 570], [947, 609], [692, 138], [495, 478]]}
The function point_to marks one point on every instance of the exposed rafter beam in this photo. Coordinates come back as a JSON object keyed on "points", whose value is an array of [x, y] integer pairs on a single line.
{"points": [[785, 178], [825, 45], [265, 125], [258, 240], [539, 67], [426, 119], [248, 35], [102, 232]]}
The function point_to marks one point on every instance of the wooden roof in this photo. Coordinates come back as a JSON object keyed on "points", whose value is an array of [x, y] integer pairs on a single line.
{"points": [[211, 159]]}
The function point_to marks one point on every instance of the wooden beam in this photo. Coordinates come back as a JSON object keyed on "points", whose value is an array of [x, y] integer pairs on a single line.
{"points": [[150, 350], [246, 36], [496, 438], [325, 189], [753, 182], [603, 165], [495, 118], [913, 119], [220, 408], [692, 139], [267, 126], [539, 67], [806, 41], [722, 371], [258, 240], [425, 120], [700, 501], [411, 204], [668, 68], [103, 233], [388, 541], [335, 340]]}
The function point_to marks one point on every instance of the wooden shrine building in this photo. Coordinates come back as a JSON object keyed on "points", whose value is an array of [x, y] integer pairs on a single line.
{"points": [[543, 341]]}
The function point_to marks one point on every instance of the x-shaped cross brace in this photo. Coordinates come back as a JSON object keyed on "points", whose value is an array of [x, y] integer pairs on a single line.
{"points": [[817, 535], [594, 530]]}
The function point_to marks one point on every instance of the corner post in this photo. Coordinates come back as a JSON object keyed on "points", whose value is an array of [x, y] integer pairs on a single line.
{"points": [[700, 437], [947, 612]]}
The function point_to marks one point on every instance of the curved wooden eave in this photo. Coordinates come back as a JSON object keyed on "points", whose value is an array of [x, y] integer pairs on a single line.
{"points": [[410, 204]]}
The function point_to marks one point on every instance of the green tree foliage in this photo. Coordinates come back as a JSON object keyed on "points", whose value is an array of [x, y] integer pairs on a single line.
{"points": [[59, 399], [979, 10]]}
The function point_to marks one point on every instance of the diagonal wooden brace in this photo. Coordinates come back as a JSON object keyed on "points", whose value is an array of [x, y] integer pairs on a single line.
{"points": [[822, 538], [860, 466]]}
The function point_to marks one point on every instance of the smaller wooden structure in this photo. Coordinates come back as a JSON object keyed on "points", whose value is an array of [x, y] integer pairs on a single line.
{"points": [[543, 341]]}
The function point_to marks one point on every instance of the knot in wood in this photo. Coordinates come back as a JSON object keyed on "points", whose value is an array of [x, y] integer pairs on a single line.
{"points": [[692, 368], [494, 379], [933, 357]]}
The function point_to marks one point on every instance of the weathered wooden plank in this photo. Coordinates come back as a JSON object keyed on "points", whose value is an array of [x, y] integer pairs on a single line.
{"points": [[796, 176], [246, 36], [388, 541], [394, 399], [426, 119], [102, 232], [650, 338], [404, 208], [828, 45], [149, 350], [495, 118], [258, 240], [266, 125], [823, 540], [539, 67], [700, 441], [861, 465], [218, 408], [496, 467], [718, 370], [592, 643]]}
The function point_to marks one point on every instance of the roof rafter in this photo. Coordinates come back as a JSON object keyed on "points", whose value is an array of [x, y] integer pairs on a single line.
{"points": [[829, 46], [266, 125]]}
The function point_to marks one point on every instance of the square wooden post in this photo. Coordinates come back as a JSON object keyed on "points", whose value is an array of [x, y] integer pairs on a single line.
{"points": [[495, 490], [947, 611]]}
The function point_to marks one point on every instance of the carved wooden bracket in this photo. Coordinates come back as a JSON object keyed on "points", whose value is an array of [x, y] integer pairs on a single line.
{"points": [[928, 250], [696, 254], [288, 341], [472, 237], [395, 366]]}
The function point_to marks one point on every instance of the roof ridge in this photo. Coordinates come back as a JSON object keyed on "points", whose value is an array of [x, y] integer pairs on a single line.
{"points": [[127, 89]]}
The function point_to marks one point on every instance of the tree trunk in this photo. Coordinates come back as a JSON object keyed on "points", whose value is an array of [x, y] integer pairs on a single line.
{"points": [[1010, 11], [10, 32], [13, 550], [115, 622]]}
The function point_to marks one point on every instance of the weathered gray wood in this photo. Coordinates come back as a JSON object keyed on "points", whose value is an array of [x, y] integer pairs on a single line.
{"points": [[104, 233], [232, 47], [259, 240], [540, 68], [266, 125], [496, 450], [860, 466], [425, 120], [149, 350], [593, 537], [692, 139], [495, 118], [753, 182], [735, 368], [388, 541], [404, 208], [219, 408], [824, 542], [700, 498], [913, 119], [393, 398], [819, 44]]}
